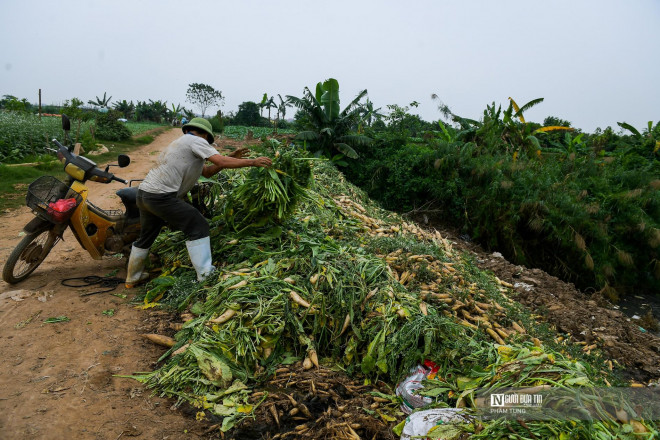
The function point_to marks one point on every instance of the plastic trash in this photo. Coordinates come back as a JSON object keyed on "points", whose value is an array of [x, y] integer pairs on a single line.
{"points": [[434, 421], [61, 209], [407, 388]]}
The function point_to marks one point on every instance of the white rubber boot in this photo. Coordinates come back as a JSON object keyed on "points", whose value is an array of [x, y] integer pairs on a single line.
{"points": [[200, 256], [135, 274]]}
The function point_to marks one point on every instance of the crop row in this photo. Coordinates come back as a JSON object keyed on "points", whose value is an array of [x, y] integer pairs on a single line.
{"points": [[23, 135], [240, 132]]}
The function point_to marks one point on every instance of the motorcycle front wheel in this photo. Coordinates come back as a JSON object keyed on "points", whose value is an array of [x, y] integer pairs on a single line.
{"points": [[29, 254]]}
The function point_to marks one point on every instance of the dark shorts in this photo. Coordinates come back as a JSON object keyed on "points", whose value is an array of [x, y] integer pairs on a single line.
{"points": [[158, 210]]}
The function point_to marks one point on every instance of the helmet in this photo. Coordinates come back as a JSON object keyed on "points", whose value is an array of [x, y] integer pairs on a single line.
{"points": [[199, 123]]}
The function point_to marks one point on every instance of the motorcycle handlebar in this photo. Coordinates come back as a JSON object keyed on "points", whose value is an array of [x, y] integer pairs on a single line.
{"points": [[108, 177]]}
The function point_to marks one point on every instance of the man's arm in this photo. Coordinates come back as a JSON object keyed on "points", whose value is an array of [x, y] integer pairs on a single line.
{"points": [[220, 162]]}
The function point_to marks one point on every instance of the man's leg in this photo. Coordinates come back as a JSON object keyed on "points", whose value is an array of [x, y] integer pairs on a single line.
{"points": [[150, 226], [186, 218]]}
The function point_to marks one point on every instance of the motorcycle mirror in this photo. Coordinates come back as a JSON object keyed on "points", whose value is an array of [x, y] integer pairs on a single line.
{"points": [[66, 123], [123, 160]]}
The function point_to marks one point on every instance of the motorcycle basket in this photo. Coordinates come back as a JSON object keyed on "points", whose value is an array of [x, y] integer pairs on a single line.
{"points": [[51, 199]]}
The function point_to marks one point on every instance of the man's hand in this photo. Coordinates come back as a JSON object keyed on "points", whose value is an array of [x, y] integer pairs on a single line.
{"points": [[239, 153], [262, 162]]}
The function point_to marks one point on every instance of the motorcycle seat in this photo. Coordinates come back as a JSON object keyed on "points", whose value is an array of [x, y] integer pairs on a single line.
{"points": [[128, 197]]}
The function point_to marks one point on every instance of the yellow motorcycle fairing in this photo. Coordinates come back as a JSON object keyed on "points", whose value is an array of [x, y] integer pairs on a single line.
{"points": [[74, 171], [85, 215]]}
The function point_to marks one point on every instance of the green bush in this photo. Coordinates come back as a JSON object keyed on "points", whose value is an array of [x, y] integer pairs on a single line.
{"points": [[218, 124], [108, 127], [283, 124]]}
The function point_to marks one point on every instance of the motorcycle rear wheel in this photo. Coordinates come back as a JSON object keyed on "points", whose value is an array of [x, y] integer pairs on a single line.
{"points": [[29, 254]]}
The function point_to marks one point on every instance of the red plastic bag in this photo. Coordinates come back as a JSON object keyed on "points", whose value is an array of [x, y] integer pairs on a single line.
{"points": [[60, 209]]}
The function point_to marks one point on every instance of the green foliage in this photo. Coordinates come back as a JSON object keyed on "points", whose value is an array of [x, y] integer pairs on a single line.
{"points": [[24, 134], [646, 144], [101, 102], [218, 124], [586, 218], [155, 111], [108, 127], [281, 112], [138, 128], [283, 124], [248, 115], [267, 103], [203, 96], [328, 130], [403, 123], [144, 140], [73, 109], [127, 109], [269, 195], [13, 104]]}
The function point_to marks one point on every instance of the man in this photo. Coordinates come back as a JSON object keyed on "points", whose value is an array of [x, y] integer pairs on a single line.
{"points": [[160, 197]]}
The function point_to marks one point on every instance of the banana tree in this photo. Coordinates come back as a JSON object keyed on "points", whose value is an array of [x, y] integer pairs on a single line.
{"points": [[371, 114], [507, 130], [176, 109], [649, 140], [281, 109], [101, 102], [126, 108], [329, 128], [520, 134]]}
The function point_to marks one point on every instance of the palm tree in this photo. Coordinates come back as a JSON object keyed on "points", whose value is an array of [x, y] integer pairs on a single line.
{"points": [[328, 128]]}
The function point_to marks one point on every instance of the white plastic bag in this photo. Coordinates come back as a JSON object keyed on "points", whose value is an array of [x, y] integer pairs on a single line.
{"points": [[407, 388], [422, 423]]}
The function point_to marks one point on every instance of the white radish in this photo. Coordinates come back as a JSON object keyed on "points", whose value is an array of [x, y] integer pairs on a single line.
{"points": [[224, 317]]}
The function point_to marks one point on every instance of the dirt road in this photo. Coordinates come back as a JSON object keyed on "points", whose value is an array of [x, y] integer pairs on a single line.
{"points": [[59, 380]]}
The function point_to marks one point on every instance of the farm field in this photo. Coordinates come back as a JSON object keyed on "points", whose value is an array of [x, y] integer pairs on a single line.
{"points": [[25, 136], [24, 139], [240, 132]]}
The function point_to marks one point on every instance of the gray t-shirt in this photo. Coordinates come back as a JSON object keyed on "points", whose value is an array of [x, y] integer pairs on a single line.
{"points": [[179, 166]]}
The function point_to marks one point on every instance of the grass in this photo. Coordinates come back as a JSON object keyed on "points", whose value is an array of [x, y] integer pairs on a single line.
{"points": [[138, 128], [15, 179]]}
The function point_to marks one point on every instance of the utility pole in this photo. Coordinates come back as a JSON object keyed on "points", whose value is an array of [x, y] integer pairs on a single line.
{"points": [[40, 104]]}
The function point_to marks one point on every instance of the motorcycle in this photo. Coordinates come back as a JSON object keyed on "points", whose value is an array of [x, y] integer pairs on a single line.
{"points": [[60, 205]]}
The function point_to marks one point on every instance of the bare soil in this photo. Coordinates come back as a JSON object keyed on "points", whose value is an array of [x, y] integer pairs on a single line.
{"points": [[61, 380]]}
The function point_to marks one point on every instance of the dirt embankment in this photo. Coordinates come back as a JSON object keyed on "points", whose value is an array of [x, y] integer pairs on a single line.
{"points": [[587, 318]]}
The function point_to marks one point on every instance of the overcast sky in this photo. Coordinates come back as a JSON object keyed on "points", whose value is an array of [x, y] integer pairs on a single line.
{"points": [[596, 62]]}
